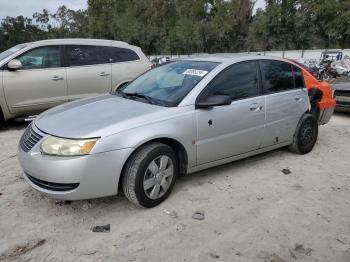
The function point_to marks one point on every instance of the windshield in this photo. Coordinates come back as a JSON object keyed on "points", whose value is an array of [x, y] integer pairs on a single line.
{"points": [[11, 51], [167, 85]]}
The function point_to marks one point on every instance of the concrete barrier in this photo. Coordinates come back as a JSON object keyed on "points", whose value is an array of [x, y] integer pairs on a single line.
{"points": [[291, 54]]}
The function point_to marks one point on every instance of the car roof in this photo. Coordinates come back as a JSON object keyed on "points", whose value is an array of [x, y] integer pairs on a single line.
{"points": [[229, 58], [79, 41]]}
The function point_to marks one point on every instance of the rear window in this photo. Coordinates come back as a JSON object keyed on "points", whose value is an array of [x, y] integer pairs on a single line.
{"points": [[118, 54], [277, 76], [81, 55], [298, 77]]}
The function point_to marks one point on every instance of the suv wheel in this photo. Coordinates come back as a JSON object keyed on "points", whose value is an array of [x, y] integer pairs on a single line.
{"points": [[150, 174], [306, 135]]}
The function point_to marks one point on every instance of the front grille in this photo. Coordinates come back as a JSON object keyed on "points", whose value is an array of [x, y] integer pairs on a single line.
{"points": [[342, 93], [29, 139], [52, 186]]}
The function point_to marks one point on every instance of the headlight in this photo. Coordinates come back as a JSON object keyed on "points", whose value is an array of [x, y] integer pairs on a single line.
{"points": [[67, 147]]}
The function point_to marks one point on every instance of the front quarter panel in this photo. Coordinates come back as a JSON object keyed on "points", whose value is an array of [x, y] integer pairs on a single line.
{"points": [[180, 127]]}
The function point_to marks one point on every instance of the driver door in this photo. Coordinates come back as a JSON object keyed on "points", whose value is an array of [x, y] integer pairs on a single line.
{"points": [[226, 131], [39, 84]]}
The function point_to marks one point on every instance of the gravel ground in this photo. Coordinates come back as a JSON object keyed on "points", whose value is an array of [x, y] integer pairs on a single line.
{"points": [[246, 211]]}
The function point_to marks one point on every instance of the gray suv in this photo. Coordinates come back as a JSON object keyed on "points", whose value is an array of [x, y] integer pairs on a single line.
{"points": [[178, 118], [39, 75]]}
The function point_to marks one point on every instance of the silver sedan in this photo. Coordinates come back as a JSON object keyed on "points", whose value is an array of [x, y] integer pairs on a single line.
{"points": [[179, 118]]}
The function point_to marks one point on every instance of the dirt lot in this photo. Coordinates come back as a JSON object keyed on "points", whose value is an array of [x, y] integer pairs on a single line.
{"points": [[253, 212]]}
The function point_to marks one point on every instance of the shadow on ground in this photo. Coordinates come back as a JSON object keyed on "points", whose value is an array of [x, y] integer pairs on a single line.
{"points": [[13, 125]]}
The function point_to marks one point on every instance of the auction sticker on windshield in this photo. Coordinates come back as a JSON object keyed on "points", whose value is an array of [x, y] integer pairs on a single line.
{"points": [[195, 72]]}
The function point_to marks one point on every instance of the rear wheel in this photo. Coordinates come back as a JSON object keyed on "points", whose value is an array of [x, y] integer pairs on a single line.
{"points": [[305, 136], [150, 174]]}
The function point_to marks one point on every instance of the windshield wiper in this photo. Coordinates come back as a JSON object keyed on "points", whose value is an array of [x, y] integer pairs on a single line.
{"points": [[140, 95], [118, 92]]}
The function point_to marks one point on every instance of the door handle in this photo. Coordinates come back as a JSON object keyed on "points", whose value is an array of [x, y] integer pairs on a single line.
{"points": [[298, 98], [255, 107], [55, 78], [104, 74]]}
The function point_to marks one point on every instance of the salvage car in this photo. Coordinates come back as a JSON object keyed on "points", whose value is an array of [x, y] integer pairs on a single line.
{"points": [[341, 88], [39, 75], [179, 118]]}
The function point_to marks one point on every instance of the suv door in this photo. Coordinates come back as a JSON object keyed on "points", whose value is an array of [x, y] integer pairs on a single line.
{"points": [[88, 71], [231, 130], [286, 100], [39, 84], [126, 65]]}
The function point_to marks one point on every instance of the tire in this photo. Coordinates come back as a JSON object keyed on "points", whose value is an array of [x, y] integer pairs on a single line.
{"points": [[152, 168], [121, 86], [305, 136]]}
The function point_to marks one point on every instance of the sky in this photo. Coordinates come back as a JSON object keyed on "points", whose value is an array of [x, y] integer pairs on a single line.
{"points": [[28, 7], [259, 4]]}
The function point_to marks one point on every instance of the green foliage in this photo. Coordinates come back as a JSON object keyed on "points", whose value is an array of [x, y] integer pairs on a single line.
{"points": [[192, 26], [301, 24]]}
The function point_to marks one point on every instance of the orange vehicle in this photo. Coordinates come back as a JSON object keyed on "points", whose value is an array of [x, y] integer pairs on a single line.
{"points": [[320, 94]]}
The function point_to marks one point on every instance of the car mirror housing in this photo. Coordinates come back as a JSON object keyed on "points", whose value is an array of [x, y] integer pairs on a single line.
{"points": [[215, 100], [14, 64]]}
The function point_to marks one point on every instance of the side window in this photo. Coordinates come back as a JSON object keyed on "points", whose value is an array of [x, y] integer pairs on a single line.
{"points": [[298, 77], [238, 81], [277, 76], [42, 57], [118, 54], [81, 55]]}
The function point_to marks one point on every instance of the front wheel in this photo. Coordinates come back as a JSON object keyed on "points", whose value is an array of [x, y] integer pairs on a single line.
{"points": [[150, 174], [305, 136]]}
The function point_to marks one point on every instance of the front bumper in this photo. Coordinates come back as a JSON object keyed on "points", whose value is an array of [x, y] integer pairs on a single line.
{"points": [[343, 103], [73, 178], [342, 98]]}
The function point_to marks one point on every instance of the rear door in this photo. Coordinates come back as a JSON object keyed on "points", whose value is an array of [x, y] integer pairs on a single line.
{"points": [[126, 65], [225, 131], [88, 71], [286, 100], [39, 84]]}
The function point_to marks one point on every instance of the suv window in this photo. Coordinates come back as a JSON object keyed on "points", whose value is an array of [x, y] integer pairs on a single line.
{"points": [[118, 54], [81, 55], [298, 77], [277, 76], [238, 81], [42, 57]]}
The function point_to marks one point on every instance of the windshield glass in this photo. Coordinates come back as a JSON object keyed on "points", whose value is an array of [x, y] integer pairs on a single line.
{"points": [[167, 85], [11, 51]]}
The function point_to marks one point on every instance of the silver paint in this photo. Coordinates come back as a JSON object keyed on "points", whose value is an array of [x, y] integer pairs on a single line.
{"points": [[244, 128]]}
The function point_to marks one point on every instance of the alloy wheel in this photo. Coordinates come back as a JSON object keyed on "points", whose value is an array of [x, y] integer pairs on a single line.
{"points": [[158, 177]]}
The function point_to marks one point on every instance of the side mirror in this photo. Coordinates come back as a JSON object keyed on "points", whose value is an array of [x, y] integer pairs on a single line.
{"points": [[14, 64], [211, 101]]}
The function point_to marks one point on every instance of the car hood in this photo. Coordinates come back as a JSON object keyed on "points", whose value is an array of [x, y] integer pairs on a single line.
{"points": [[96, 117]]}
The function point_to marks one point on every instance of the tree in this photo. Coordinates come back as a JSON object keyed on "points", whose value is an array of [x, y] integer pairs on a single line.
{"points": [[192, 26]]}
